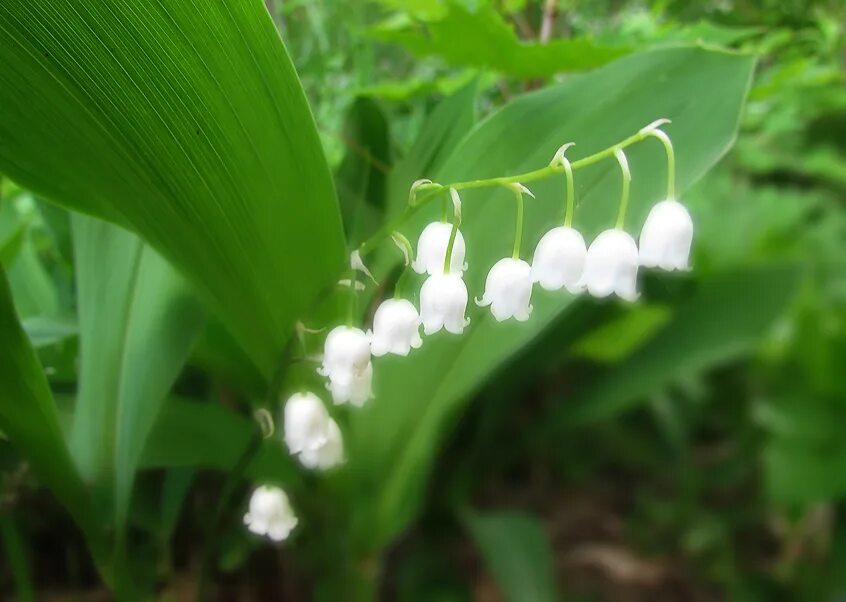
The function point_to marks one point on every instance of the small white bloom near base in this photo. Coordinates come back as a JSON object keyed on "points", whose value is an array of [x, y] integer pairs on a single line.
{"points": [[431, 250], [559, 260], [666, 237], [396, 328], [508, 290], [611, 265], [443, 301], [356, 391], [329, 454], [311, 434], [270, 514], [346, 354]]}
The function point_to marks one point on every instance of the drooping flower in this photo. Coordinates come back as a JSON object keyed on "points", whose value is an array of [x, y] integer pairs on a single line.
{"points": [[346, 354], [559, 260], [431, 250], [611, 265], [396, 328], [508, 290], [666, 237], [443, 300], [355, 391], [306, 423], [270, 513], [327, 455]]}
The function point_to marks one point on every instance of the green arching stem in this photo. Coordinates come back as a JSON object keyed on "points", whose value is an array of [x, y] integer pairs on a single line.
{"points": [[400, 285], [456, 223], [671, 161], [570, 208], [624, 193], [529, 176], [352, 309], [518, 228]]}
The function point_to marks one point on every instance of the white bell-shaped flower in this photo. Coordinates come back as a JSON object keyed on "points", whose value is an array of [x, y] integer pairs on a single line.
{"points": [[431, 250], [270, 513], [559, 260], [346, 354], [355, 391], [327, 455], [306, 423], [666, 237], [396, 328], [611, 265], [443, 300], [508, 290]]}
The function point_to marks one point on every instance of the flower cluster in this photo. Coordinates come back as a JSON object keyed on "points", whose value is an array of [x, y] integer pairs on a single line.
{"points": [[561, 260]]}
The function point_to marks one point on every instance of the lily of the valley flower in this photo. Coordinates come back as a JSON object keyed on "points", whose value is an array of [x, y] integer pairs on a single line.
{"points": [[311, 434], [270, 514], [559, 260], [327, 455], [611, 265], [443, 300], [508, 290], [355, 391], [666, 237], [432, 247], [396, 328], [346, 353]]}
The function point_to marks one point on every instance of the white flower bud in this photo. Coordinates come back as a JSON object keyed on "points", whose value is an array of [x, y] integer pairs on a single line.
{"points": [[559, 260], [355, 391], [396, 328], [611, 265], [327, 455], [270, 513], [306, 422], [508, 289], [431, 250], [443, 300], [346, 354], [666, 237]]}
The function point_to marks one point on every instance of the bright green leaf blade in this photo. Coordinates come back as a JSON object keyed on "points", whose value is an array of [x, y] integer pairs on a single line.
{"points": [[484, 39], [517, 553], [29, 419], [726, 315], [185, 121], [138, 321], [395, 437]]}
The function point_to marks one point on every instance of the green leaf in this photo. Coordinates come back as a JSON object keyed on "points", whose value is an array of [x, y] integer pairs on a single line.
{"points": [[44, 331], [484, 39], [725, 316], [517, 553], [29, 419], [209, 436], [138, 321], [394, 438], [186, 122]]}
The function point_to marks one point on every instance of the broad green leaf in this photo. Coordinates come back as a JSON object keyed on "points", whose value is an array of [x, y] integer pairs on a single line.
{"points": [[394, 438], [138, 321], [725, 316], [484, 39], [517, 553], [45, 331], [29, 418], [209, 436], [184, 121]]}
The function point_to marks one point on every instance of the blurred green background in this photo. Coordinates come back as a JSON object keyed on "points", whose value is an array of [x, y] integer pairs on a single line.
{"points": [[689, 447]]}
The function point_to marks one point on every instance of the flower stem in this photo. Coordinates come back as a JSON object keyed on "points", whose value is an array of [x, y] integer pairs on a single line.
{"points": [[529, 176], [456, 223], [624, 193], [671, 161], [570, 208], [518, 228], [353, 302]]}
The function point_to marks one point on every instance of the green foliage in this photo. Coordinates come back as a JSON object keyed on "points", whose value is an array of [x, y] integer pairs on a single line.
{"points": [[394, 438], [208, 151]]}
